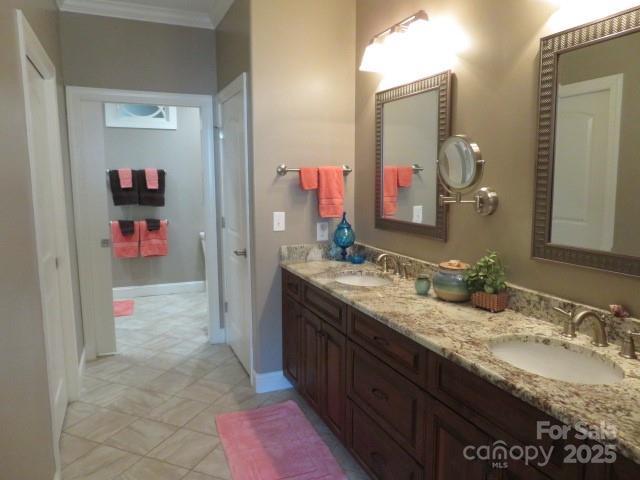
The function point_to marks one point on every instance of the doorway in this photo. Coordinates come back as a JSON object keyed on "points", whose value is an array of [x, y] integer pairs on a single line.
{"points": [[235, 219], [164, 282]]}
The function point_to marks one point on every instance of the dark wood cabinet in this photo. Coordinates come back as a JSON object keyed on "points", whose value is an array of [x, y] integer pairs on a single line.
{"points": [[406, 413], [381, 457], [333, 362], [310, 381], [291, 351], [314, 358]]}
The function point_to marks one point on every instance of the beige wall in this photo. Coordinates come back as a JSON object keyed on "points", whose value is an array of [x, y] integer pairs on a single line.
{"points": [[106, 52], [25, 437], [302, 71], [178, 153], [233, 49], [495, 102], [599, 60]]}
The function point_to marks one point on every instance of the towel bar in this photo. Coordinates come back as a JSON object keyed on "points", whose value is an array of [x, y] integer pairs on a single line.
{"points": [[417, 168], [282, 169]]}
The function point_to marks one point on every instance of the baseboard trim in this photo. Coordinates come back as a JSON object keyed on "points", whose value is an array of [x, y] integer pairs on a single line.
{"points": [[270, 382], [158, 289]]}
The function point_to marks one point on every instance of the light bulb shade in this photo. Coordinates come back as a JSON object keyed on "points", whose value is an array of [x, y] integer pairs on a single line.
{"points": [[373, 57]]}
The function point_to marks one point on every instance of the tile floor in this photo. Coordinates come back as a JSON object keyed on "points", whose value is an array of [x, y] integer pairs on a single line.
{"points": [[149, 413]]}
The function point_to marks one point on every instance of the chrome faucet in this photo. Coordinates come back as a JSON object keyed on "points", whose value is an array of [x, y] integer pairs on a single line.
{"points": [[383, 259], [629, 345], [576, 318]]}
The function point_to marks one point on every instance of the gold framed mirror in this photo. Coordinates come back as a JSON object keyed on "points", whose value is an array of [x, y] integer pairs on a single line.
{"points": [[412, 122], [586, 200]]}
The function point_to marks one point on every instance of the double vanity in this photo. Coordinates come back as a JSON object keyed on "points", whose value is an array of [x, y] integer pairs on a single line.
{"points": [[415, 387]]}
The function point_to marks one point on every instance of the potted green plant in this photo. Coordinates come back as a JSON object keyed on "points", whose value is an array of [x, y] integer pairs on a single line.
{"points": [[486, 280]]}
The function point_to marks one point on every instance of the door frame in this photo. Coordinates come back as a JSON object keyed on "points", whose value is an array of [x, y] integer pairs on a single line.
{"points": [[75, 97], [614, 84], [32, 52], [240, 85]]}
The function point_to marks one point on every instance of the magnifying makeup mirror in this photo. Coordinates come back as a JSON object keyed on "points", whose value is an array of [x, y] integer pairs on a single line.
{"points": [[460, 167]]}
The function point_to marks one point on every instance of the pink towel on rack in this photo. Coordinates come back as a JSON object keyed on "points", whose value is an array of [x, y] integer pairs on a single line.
{"points": [[154, 243], [125, 246], [390, 191], [308, 178], [151, 178], [330, 192], [405, 176], [125, 175]]}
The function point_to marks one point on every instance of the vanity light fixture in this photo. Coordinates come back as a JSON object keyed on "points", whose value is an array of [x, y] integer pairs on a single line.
{"points": [[388, 45]]}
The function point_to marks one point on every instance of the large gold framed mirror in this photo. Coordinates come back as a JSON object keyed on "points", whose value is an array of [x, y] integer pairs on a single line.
{"points": [[588, 166], [412, 122]]}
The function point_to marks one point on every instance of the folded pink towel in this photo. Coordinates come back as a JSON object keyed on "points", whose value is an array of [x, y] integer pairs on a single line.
{"points": [[389, 191], [153, 243], [151, 178], [405, 176], [125, 246], [330, 192], [309, 178], [125, 175]]}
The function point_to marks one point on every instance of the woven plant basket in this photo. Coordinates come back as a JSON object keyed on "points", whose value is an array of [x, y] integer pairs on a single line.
{"points": [[494, 302]]}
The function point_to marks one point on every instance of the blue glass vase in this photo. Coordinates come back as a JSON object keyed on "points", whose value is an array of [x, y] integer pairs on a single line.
{"points": [[344, 236]]}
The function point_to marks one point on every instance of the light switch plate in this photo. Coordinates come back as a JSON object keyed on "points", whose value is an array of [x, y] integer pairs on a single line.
{"points": [[278, 221], [322, 231], [417, 214]]}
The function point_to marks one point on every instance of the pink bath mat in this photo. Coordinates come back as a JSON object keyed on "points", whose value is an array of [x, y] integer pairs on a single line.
{"points": [[122, 308], [275, 443]]}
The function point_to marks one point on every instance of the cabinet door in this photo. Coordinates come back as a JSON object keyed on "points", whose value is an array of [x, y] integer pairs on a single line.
{"points": [[447, 437], [311, 345], [333, 363], [291, 351]]}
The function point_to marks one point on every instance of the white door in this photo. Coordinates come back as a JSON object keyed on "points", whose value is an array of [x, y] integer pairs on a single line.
{"points": [[586, 163], [234, 210], [42, 176]]}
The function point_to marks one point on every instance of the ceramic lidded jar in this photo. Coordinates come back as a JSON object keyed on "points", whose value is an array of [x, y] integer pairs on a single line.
{"points": [[449, 283]]}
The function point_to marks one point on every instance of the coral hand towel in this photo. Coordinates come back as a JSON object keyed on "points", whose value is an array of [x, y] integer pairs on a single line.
{"points": [[330, 192], [151, 178], [275, 443], [153, 243], [405, 176], [125, 246], [125, 175], [390, 191], [309, 178]]}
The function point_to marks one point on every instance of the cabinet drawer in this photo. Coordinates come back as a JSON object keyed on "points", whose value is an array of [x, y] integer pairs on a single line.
{"points": [[291, 284], [404, 355], [497, 412], [394, 402], [325, 306], [377, 452]]}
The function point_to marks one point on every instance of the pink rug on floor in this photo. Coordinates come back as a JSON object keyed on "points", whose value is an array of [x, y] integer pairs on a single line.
{"points": [[122, 308], [274, 443]]}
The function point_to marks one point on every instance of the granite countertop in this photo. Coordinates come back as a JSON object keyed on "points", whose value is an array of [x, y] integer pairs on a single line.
{"points": [[460, 333]]}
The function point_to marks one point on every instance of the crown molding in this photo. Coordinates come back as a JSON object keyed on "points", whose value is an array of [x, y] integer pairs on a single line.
{"points": [[143, 13]]}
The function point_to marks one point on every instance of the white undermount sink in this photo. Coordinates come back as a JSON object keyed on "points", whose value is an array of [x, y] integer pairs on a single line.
{"points": [[556, 360], [363, 279]]}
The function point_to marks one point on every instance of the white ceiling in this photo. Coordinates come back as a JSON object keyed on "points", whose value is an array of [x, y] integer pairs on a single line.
{"points": [[189, 13]]}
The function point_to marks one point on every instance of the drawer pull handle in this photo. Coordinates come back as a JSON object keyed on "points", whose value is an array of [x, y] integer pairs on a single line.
{"points": [[378, 459], [381, 341], [379, 394]]}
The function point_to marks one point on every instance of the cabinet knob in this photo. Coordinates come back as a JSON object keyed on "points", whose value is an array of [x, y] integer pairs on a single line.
{"points": [[381, 341], [379, 394]]}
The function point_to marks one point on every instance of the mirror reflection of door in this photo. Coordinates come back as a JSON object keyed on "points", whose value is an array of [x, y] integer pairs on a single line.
{"points": [[596, 165], [410, 136], [586, 167]]}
